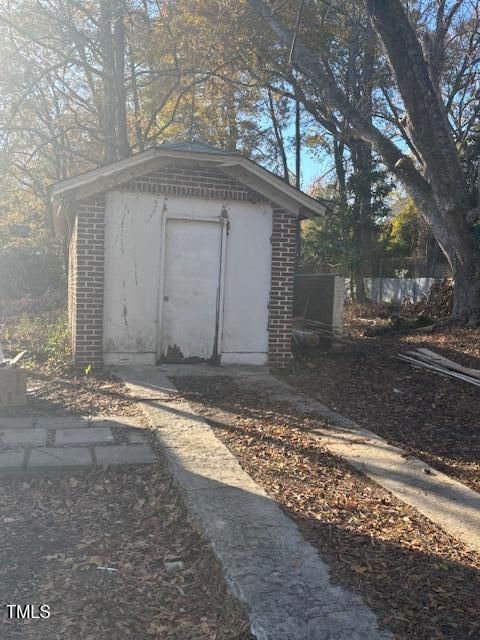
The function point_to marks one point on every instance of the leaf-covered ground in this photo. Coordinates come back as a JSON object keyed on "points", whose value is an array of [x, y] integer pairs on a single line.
{"points": [[52, 392], [102, 550], [432, 417], [98, 547], [423, 584]]}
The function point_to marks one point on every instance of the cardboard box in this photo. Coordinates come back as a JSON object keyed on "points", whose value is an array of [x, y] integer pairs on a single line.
{"points": [[13, 387]]}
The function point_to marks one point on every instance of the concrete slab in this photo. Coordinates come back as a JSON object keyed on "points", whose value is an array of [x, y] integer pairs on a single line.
{"points": [[23, 437], [16, 423], [128, 454], [57, 458], [67, 422], [86, 436], [268, 565], [197, 469], [11, 460], [116, 422]]}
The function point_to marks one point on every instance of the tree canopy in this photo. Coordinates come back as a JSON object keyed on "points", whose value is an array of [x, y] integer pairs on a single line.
{"points": [[383, 94]]}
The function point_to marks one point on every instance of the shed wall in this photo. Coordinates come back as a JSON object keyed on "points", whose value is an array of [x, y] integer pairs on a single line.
{"points": [[133, 228], [86, 277], [133, 279]]}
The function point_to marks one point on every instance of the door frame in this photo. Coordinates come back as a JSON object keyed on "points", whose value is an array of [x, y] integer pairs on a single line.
{"points": [[223, 220]]}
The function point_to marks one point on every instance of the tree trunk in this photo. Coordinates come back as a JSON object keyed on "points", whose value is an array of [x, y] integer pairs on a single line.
{"points": [[108, 59], [451, 201], [120, 10], [441, 193], [466, 302], [298, 143], [278, 137]]}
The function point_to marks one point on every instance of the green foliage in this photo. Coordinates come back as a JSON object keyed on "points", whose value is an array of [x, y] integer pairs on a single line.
{"points": [[45, 337], [402, 232], [331, 243], [326, 242]]}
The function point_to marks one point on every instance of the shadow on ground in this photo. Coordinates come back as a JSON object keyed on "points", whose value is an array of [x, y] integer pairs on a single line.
{"points": [[422, 583]]}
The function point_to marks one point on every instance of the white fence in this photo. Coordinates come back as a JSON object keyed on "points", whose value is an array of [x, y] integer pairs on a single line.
{"points": [[398, 290]]}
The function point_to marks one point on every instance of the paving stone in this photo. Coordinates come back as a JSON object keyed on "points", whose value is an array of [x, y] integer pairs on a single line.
{"points": [[24, 437], [117, 422], [67, 422], [55, 458], [16, 423], [128, 454], [11, 460], [87, 436]]}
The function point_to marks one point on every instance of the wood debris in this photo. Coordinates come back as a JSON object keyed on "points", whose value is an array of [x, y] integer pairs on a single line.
{"points": [[439, 302], [312, 333], [426, 359]]}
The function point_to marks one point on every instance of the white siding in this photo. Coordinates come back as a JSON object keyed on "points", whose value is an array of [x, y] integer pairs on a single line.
{"points": [[247, 284], [132, 274], [133, 282]]}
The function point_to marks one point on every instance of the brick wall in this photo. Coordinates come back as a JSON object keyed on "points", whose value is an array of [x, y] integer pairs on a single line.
{"points": [[86, 286], [284, 256], [87, 257], [72, 283], [201, 183]]}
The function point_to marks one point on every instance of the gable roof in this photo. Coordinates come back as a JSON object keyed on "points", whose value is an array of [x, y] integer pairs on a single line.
{"points": [[232, 163]]}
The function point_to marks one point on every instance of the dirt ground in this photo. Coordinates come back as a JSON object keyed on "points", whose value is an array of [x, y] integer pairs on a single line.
{"points": [[423, 584], [433, 417]]}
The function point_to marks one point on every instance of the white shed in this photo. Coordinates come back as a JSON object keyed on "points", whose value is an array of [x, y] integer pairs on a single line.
{"points": [[181, 253]]}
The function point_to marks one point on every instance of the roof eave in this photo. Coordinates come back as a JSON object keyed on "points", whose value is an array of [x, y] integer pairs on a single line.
{"points": [[258, 178]]}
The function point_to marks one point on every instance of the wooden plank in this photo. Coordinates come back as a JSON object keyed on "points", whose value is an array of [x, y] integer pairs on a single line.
{"points": [[437, 369], [435, 358]]}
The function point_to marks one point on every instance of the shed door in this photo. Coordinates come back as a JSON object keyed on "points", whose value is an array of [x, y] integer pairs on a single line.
{"points": [[191, 289]]}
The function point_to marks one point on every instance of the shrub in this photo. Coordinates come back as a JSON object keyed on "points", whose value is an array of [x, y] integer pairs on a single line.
{"points": [[45, 337]]}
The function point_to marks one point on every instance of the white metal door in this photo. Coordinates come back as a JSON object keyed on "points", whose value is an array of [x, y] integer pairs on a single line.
{"points": [[191, 289]]}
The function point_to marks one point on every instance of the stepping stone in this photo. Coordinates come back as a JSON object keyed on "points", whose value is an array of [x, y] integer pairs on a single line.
{"points": [[24, 437], [117, 422], [87, 436], [11, 461], [55, 458], [16, 423], [67, 422], [128, 454]]}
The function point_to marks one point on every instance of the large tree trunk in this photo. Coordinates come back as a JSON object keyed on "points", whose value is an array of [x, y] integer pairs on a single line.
{"points": [[466, 305], [441, 192], [431, 134]]}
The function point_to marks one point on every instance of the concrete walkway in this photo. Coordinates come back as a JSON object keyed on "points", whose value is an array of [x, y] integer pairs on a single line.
{"points": [[59, 444], [268, 565], [448, 503]]}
